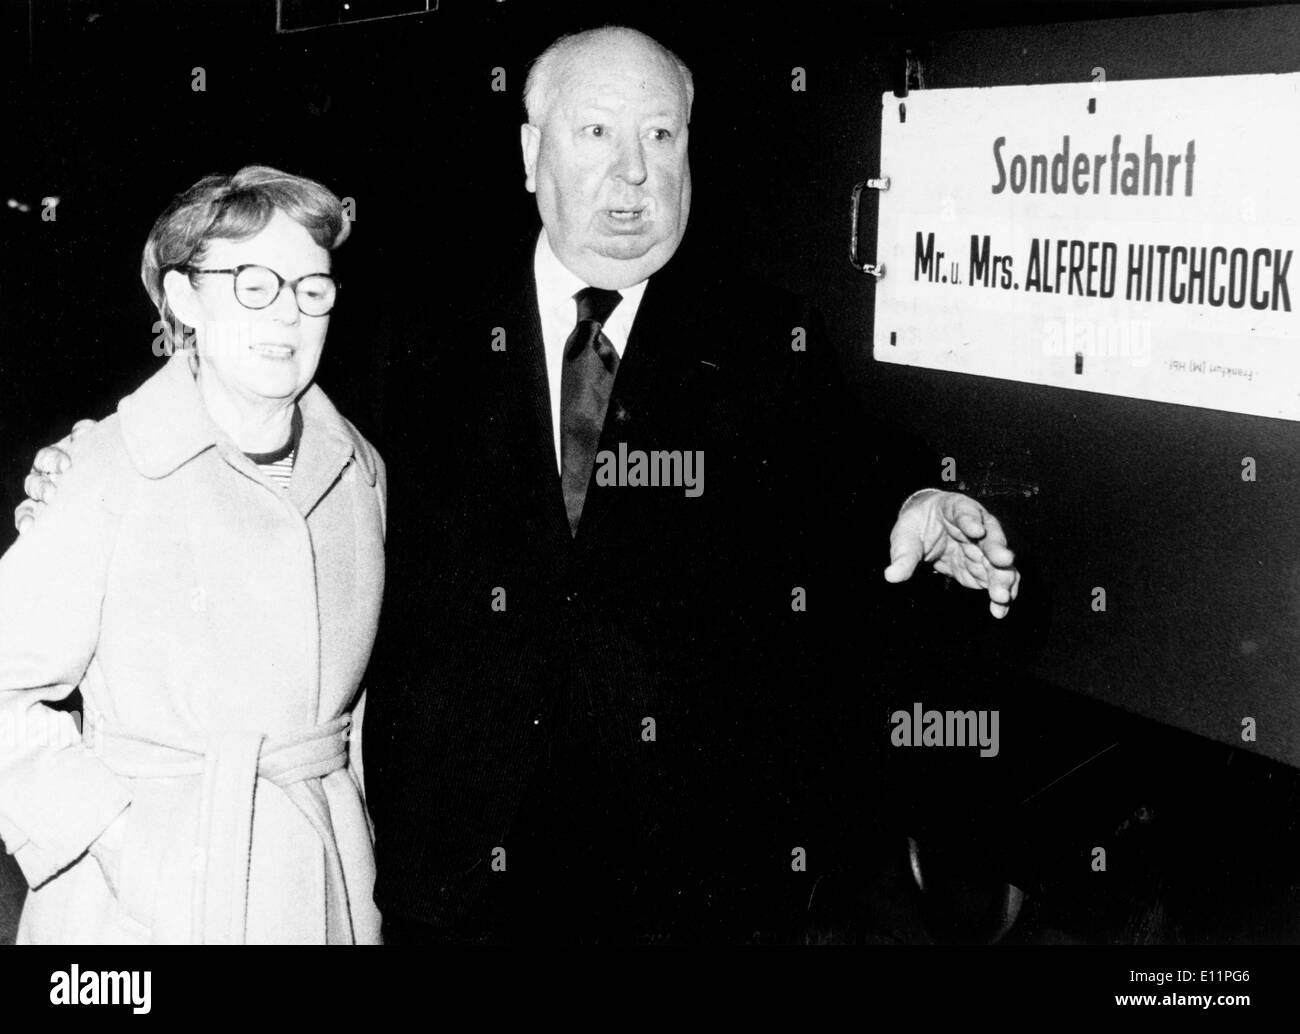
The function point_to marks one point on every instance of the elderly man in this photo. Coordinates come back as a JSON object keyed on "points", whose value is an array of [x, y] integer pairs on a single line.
{"points": [[599, 705]]}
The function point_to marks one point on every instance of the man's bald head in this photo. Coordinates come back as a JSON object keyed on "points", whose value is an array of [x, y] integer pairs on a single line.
{"points": [[549, 66]]}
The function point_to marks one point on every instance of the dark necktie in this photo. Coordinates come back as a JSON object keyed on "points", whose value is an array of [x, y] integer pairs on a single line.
{"points": [[590, 363]]}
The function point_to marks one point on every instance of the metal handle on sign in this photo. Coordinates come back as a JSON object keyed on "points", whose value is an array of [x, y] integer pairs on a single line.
{"points": [[869, 269]]}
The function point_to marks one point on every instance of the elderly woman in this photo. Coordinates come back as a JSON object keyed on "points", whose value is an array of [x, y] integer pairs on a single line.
{"points": [[209, 574]]}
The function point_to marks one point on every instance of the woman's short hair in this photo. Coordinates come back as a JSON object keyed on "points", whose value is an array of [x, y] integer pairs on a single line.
{"points": [[233, 208]]}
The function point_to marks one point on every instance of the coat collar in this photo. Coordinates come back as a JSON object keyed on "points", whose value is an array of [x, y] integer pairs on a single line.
{"points": [[165, 425]]}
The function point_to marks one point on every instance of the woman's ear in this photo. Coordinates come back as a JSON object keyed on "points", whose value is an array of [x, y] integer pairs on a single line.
{"points": [[182, 299]]}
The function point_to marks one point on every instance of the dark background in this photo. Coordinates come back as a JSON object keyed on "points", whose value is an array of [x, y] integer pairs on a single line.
{"points": [[1145, 499]]}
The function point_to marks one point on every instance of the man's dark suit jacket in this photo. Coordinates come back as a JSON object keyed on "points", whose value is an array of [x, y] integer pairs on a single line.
{"points": [[682, 610]]}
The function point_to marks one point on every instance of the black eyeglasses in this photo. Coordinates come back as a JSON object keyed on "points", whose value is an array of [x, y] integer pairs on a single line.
{"points": [[257, 287]]}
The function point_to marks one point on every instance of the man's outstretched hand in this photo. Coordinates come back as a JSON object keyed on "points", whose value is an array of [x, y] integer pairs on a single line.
{"points": [[961, 539], [41, 483]]}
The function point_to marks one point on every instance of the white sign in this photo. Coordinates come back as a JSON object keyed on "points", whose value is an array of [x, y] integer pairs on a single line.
{"points": [[1132, 238]]}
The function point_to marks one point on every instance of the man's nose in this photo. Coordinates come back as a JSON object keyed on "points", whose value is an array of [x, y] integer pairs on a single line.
{"points": [[631, 162]]}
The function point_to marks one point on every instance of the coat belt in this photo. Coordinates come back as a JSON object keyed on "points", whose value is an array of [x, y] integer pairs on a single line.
{"points": [[230, 765]]}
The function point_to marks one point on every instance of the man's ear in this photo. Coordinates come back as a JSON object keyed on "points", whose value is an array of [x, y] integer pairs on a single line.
{"points": [[530, 142], [181, 297]]}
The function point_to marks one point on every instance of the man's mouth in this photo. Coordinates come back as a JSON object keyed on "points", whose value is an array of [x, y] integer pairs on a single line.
{"points": [[628, 220]]}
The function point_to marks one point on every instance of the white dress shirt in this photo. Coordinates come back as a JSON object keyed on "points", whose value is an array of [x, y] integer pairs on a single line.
{"points": [[556, 286]]}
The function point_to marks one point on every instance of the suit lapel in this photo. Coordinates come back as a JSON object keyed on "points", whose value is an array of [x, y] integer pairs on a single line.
{"points": [[528, 403], [658, 369]]}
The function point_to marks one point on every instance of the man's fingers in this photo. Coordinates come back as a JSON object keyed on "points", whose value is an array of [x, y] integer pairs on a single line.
{"points": [[51, 460], [972, 576], [994, 543], [906, 546], [1000, 585], [905, 553], [902, 566], [36, 486], [974, 551], [964, 513], [978, 525], [1003, 587], [55, 459], [972, 525], [25, 515]]}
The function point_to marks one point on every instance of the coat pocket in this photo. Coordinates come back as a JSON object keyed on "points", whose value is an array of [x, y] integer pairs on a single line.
{"points": [[138, 864]]}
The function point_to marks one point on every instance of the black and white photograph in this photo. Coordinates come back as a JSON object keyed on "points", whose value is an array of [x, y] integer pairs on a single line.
{"points": [[582, 474]]}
